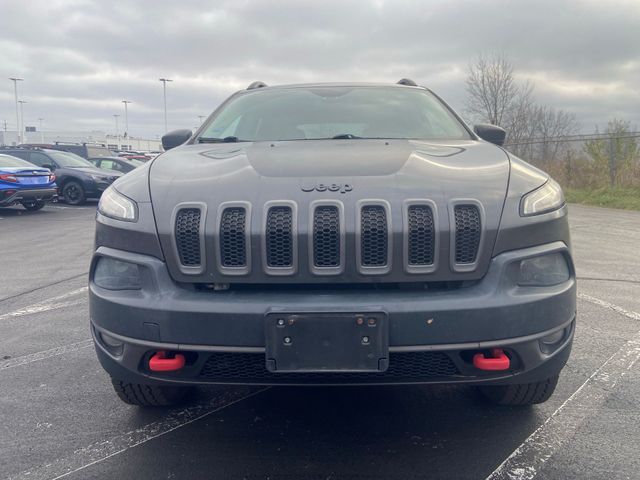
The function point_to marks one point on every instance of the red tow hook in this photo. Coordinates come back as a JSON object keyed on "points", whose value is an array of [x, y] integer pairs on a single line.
{"points": [[498, 360], [161, 362]]}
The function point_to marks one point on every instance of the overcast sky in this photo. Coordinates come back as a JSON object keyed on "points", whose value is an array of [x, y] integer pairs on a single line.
{"points": [[81, 58]]}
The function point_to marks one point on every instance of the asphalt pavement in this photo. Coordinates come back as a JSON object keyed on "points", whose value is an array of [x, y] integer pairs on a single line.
{"points": [[59, 417]]}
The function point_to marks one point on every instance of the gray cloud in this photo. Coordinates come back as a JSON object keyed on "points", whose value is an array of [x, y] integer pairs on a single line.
{"points": [[80, 58]]}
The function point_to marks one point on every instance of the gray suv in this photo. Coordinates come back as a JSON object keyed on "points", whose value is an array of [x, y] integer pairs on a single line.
{"points": [[333, 234]]}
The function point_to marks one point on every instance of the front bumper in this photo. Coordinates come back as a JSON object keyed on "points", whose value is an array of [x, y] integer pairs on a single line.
{"points": [[29, 195], [432, 335]]}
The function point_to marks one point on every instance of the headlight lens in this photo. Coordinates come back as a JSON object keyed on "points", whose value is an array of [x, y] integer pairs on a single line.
{"points": [[99, 178], [545, 199], [115, 205], [117, 275], [544, 271]]}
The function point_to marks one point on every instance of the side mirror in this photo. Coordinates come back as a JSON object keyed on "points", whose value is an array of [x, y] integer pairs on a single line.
{"points": [[175, 138], [490, 133], [49, 166]]}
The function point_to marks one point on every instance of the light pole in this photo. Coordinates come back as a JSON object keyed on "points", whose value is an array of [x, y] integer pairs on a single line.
{"points": [[22, 102], [126, 118], [164, 93], [117, 131], [41, 131], [15, 92]]}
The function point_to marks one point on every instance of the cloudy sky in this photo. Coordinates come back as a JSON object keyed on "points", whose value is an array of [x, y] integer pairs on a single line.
{"points": [[81, 58]]}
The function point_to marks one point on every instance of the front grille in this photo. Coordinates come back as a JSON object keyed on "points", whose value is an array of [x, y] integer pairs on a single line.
{"points": [[326, 236], [279, 235], [403, 366], [233, 247], [422, 236], [468, 231], [374, 230], [187, 235]]}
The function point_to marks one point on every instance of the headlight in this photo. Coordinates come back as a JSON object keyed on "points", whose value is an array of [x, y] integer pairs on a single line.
{"points": [[115, 205], [544, 271], [117, 275], [545, 199], [99, 178]]}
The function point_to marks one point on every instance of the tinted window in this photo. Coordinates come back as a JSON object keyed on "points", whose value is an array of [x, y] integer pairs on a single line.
{"points": [[39, 159], [66, 159], [23, 154], [325, 112], [111, 165], [9, 161]]}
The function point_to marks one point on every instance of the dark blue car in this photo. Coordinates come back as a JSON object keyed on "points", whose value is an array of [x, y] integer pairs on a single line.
{"points": [[24, 183]]}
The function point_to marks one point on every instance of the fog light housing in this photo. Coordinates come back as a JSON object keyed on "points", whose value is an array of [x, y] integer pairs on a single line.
{"points": [[544, 271], [115, 274], [113, 345]]}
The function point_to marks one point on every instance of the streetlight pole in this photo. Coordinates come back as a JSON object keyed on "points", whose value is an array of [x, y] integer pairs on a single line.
{"points": [[164, 93], [41, 131], [22, 102], [126, 118], [15, 92], [117, 131]]}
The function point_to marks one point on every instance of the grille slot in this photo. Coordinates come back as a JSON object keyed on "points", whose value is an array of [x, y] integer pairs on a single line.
{"points": [[233, 243], [238, 367], [374, 242], [326, 236], [187, 235], [422, 236], [279, 237], [468, 231]]}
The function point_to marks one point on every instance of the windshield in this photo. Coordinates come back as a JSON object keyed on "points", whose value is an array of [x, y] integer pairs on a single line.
{"points": [[334, 112], [9, 161], [66, 159]]}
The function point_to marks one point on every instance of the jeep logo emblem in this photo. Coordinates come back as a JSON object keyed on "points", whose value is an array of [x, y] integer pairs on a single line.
{"points": [[327, 187]]}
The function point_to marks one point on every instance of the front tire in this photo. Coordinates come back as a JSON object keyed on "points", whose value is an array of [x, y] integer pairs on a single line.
{"points": [[73, 193], [34, 206], [143, 395], [521, 394]]}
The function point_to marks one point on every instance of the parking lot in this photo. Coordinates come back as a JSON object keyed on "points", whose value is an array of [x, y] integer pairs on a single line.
{"points": [[60, 418]]}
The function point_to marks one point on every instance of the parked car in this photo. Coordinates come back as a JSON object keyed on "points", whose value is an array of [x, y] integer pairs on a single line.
{"points": [[333, 234], [84, 150], [118, 164], [134, 156], [23, 183], [77, 179]]}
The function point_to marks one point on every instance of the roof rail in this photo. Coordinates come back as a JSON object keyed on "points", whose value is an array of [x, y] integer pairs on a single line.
{"points": [[257, 84], [408, 82]]}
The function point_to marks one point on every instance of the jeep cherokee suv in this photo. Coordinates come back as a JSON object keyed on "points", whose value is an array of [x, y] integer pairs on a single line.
{"points": [[333, 234]]}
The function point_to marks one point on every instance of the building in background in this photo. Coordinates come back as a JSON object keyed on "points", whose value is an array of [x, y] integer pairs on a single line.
{"points": [[32, 135]]}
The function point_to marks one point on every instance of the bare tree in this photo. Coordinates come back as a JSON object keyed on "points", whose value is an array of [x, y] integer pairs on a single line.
{"points": [[494, 95]]}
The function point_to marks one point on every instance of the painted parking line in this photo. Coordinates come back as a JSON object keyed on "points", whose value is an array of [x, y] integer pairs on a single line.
{"points": [[52, 303], [43, 355], [107, 448], [528, 459], [610, 306]]}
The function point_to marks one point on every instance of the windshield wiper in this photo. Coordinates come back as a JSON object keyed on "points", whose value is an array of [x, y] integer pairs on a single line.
{"points": [[219, 140], [345, 136]]}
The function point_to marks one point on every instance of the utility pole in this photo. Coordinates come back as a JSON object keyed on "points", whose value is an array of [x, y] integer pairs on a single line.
{"points": [[22, 102], [126, 118], [15, 81], [41, 131], [164, 94], [117, 131]]}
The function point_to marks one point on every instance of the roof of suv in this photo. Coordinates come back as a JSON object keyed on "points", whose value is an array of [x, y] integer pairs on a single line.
{"points": [[404, 83]]}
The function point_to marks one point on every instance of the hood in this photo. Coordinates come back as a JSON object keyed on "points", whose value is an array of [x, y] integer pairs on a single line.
{"points": [[348, 171], [262, 169]]}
